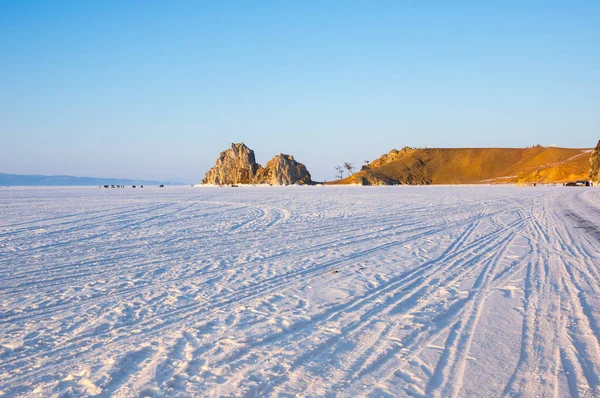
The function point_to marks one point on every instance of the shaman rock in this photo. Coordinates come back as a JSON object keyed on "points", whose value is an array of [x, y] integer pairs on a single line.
{"points": [[283, 170], [234, 166]]}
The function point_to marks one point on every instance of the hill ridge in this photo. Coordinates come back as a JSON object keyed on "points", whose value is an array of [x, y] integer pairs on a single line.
{"points": [[424, 166]]}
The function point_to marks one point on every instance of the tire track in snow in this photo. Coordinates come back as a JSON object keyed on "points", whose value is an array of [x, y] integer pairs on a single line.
{"points": [[551, 297], [270, 285], [170, 363], [356, 325], [137, 290]]}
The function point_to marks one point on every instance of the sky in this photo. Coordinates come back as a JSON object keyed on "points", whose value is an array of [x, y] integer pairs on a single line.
{"points": [[156, 89]]}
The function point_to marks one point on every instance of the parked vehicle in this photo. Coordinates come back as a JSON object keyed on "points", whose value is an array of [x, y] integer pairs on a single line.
{"points": [[578, 184]]}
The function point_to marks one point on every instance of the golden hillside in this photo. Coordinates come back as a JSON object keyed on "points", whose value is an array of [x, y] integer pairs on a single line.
{"points": [[475, 166]]}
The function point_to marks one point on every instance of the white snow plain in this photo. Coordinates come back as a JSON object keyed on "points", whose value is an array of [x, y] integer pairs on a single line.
{"points": [[311, 291]]}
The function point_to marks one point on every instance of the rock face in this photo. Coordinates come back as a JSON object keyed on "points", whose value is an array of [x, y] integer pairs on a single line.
{"points": [[595, 164], [283, 170], [394, 154], [370, 179], [234, 166], [238, 166]]}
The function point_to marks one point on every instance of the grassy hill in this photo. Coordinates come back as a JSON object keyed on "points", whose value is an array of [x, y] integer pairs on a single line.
{"points": [[475, 166]]}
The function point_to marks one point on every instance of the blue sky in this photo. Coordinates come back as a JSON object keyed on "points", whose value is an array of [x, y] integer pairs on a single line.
{"points": [[156, 89]]}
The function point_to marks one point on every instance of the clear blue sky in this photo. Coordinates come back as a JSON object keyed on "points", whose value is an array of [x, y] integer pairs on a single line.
{"points": [[156, 89]]}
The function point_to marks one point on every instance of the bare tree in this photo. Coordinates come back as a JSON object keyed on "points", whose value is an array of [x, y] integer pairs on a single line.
{"points": [[349, 167], [339, 172]]}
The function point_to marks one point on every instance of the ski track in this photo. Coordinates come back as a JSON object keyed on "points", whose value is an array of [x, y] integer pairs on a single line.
{"points": [[310, 291]]}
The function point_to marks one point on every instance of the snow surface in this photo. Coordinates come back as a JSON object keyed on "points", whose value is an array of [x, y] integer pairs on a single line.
{"points": [[351, 291]]}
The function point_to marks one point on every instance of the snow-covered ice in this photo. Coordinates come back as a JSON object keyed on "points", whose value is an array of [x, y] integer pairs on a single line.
{"points": [[310, 291]]}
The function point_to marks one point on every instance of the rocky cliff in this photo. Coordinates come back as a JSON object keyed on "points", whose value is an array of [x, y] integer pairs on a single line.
{"points": [[283, 170], [595, 164], [234, 166], [238, 166]]}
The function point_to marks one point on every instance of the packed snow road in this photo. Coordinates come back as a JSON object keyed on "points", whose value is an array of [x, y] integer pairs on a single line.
{"points": [[351, 291]]}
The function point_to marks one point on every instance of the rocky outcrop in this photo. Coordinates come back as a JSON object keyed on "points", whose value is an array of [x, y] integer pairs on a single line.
{"points": [[595, 164], [283, 170], [234, 166], [238, 166], [371, 179], [392, 155]]}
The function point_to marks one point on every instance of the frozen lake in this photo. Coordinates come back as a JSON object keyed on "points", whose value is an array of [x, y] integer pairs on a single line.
{"points": [[351, 291]]}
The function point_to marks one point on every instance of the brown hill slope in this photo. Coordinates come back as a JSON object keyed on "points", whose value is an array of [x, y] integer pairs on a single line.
{"points": [[475, 166]]}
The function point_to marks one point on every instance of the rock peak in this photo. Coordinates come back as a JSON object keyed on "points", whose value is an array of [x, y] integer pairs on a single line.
{"points": [[234, 166], [283, 170], [237, 165]]}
